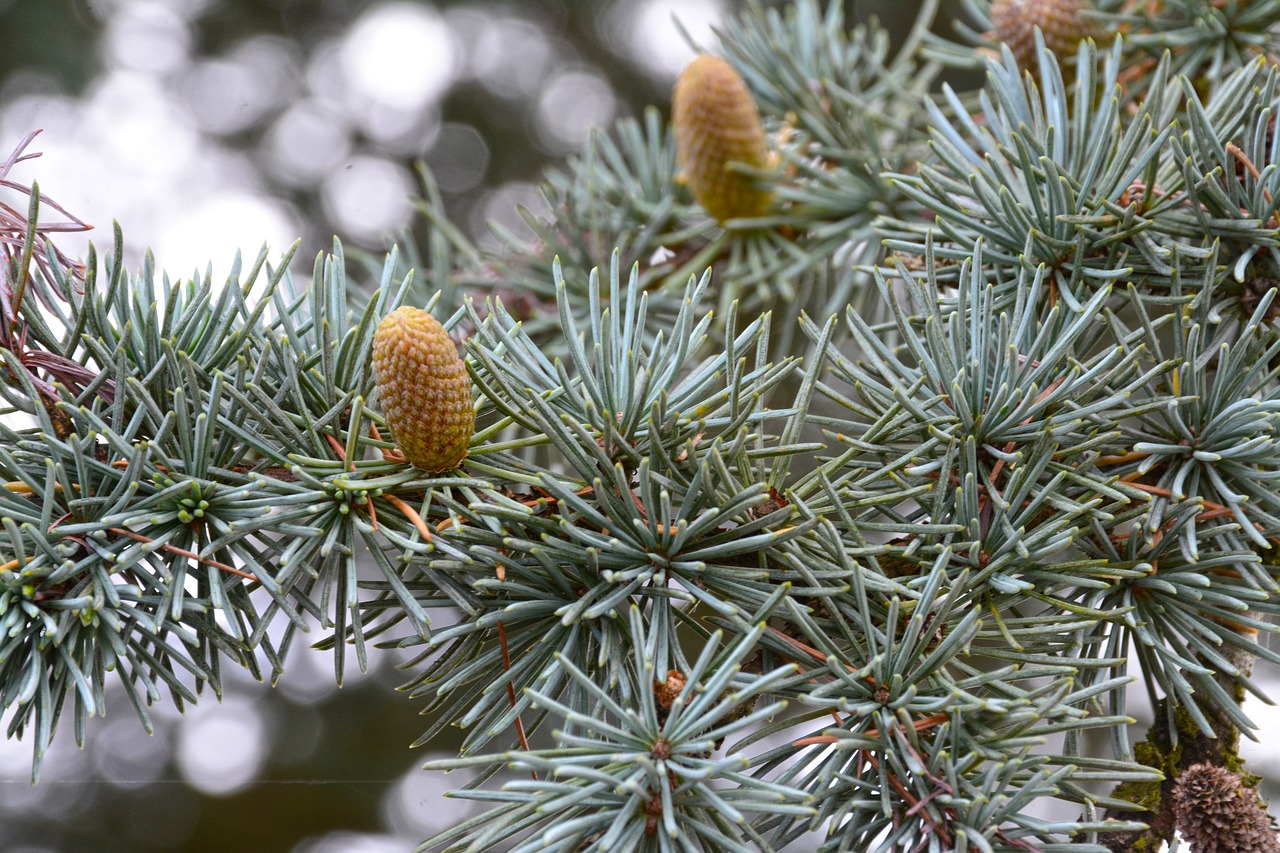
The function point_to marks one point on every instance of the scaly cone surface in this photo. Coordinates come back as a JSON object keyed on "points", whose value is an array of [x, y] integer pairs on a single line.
{"points": [[1062, 22], [1218, 813], [424, 389], [717, 124]]}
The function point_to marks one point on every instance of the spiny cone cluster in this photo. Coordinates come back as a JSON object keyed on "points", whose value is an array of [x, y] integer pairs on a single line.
{"points": [[716, 124], [1062, 22], [1217, 813], [424, 389]]}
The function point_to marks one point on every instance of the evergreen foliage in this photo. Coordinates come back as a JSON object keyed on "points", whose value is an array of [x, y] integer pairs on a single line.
{"points": [[843, 527]]}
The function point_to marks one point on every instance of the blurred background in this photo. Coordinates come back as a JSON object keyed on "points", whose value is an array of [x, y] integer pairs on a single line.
{"points": [[210, 126], [207, 126]]}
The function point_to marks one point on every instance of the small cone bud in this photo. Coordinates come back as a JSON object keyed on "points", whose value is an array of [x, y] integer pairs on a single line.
{"points": [[1062, 22], [424, 389], [716, 124]]}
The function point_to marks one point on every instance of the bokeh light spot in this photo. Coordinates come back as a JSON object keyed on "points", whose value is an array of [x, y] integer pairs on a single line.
{"points": [[220, 94], [571, 104], [218, 225], [307, 141], [148, 37], [648, 33], [309, 677], [459, 158], [221, 747], [501, 208], [125, 755], [56, 115], [409, 807], [399, 54], [511, 56], [232, 94], [368, 198], [140, 128]]}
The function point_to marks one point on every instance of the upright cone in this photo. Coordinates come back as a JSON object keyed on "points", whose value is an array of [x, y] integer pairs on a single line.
{"points": [[716, 124], [1062, 22], [424, 389]]}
